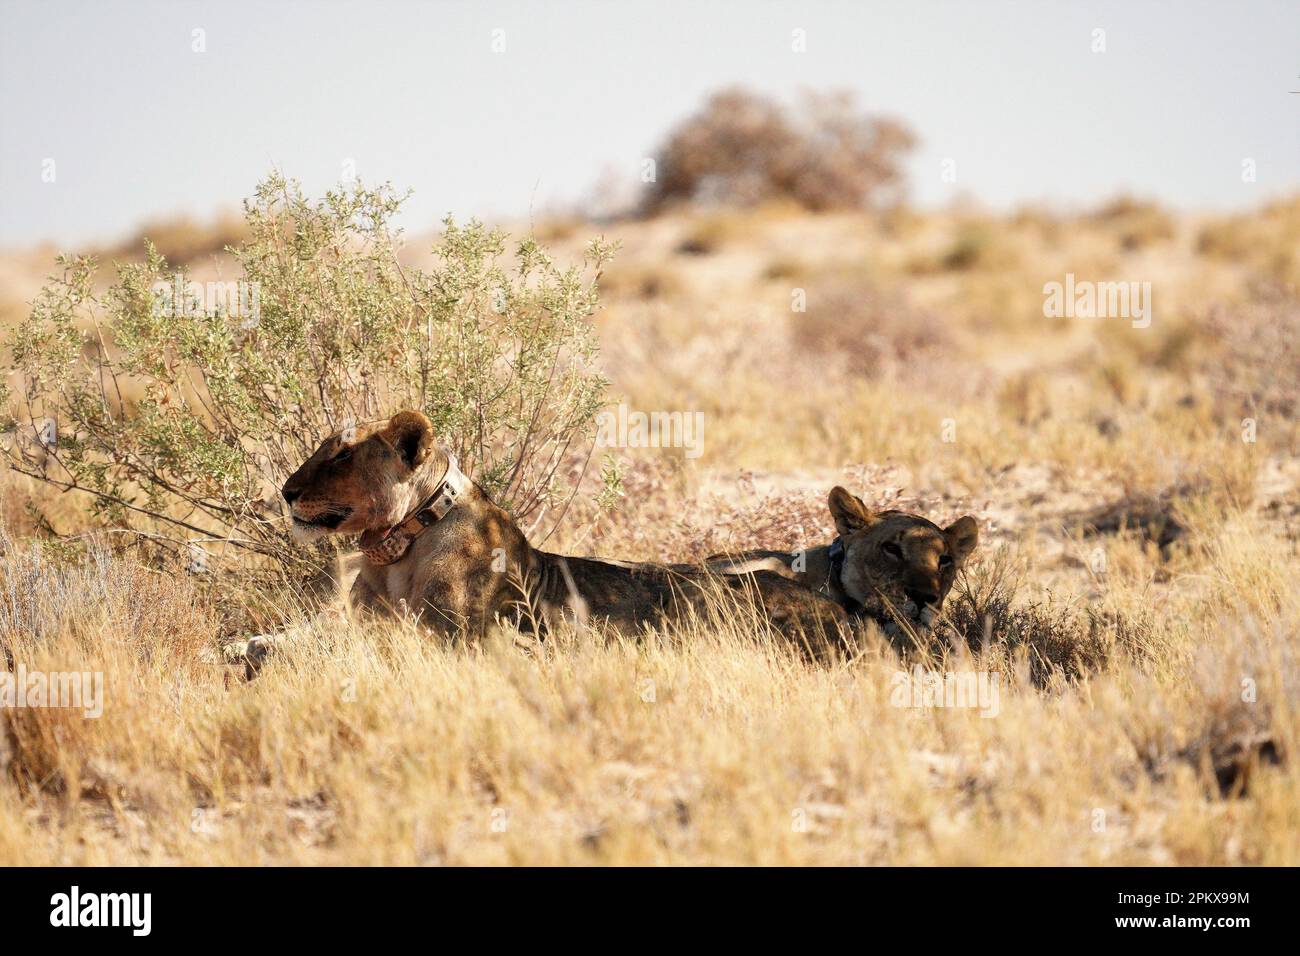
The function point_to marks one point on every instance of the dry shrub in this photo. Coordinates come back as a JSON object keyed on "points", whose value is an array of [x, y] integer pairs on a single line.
{"points": [[74, 588], [743, 149], [1152, 517], [1053, 641], [709, 233], [1232, 239], [182, 240], [787, 267], [785, 521], [1026, 397], [78, 607], [1253, 363], [622, 281], [1040, 220], [657, 521], [900, 222], [1231, 744], [871, 332], [1136, 223], [1267, 240], [978, 245], [1231, 734], [654, 522]]}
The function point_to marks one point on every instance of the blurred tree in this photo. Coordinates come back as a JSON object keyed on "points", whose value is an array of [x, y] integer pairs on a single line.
{"points": [[743, 149]]}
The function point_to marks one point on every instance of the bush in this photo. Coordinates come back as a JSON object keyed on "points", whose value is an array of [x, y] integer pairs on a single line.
{"points": [[183, 240], [977, 244], [1267, 240], [181, 418], [1253, 362], [743, 149], [872, 332], [1054, 641], [1137, 223], [710, 233]]}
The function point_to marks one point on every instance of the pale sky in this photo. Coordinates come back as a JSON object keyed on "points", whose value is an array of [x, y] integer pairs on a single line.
{"points": [[139, 125]]}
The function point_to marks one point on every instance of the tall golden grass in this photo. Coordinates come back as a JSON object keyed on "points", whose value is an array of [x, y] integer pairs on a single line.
{"points": [[380, 746]]}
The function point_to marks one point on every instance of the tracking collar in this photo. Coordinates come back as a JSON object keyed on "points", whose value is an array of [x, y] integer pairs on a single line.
{"points": [[393, 544], [835, 580]]}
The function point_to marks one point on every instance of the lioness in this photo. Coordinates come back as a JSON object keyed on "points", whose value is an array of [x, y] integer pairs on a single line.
{"points": [[890, 566], [436, 546]]}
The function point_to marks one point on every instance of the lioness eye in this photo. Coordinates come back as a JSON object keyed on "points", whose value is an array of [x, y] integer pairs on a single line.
{"points": [[893, 550], [343, 455]]}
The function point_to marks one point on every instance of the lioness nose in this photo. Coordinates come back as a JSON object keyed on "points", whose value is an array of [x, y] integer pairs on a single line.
{"points": [[289, 494], [922, 596]]}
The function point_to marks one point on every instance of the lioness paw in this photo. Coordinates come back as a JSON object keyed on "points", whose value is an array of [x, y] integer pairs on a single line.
{"points": [[250, 652]]}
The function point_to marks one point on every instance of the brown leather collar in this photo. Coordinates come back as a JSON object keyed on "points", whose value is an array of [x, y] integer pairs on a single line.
{"points": [[390, 545]]}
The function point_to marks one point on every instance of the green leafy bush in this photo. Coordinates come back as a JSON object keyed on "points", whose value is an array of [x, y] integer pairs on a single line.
{"points": [[180, 416]]}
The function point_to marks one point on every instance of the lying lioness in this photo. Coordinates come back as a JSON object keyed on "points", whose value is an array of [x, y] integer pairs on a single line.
{"points": [[891, 566], [437, 547]]}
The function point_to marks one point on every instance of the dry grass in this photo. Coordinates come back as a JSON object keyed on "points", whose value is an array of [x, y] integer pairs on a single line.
{"points": [[1148, 681], [382, 746], [1266, 242], [847, 321], [1135, 223]]}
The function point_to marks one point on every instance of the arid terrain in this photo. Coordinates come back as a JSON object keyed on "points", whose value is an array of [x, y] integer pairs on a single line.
{"points": [[1133, 594]]}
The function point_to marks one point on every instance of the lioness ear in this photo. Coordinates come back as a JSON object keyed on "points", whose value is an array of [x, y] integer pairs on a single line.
{"points": [[848, 511], [963, 534], [412, 435]]}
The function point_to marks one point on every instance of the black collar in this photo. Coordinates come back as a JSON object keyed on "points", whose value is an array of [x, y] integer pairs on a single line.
{"points": [[836, 554], [835, 580]]}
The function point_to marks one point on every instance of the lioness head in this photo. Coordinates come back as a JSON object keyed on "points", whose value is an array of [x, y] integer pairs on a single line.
{"points": [[897, 560], [361, 479]]}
